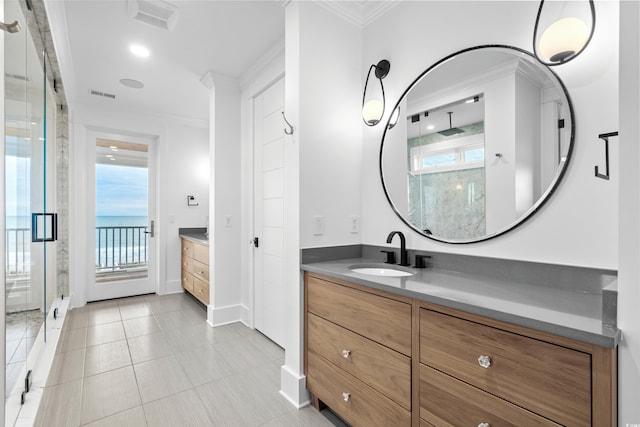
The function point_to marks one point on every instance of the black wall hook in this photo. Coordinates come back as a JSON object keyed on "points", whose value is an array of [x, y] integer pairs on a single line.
{"points": [[605, 137], [290, 130]]}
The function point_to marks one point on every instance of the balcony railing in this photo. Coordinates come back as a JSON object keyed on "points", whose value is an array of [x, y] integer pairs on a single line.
{"points": [[17, 256], [121, 249]]}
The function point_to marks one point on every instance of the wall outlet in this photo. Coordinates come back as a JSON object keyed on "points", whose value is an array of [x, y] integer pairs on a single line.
{"points": [[317, 225], [354, 224], [227, 221]]}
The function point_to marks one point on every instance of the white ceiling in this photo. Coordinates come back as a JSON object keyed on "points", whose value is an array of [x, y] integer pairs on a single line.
{"points": [[92, 39]]}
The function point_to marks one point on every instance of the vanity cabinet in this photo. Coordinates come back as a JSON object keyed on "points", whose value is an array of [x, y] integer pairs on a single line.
{"points": [[378, 358], [358, 352], [195, 269]]}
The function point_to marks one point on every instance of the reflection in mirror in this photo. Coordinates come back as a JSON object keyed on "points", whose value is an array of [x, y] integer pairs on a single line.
{"points": [[486, 138]]}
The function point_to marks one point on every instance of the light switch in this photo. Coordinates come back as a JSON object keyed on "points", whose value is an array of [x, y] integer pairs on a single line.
{"points": [[227, 221], [172, 219], [355, 224], [318, 225]]}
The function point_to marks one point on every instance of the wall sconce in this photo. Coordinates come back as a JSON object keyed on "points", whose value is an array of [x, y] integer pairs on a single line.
{"points": [[393, 120], [373, 109], [567, 36]]}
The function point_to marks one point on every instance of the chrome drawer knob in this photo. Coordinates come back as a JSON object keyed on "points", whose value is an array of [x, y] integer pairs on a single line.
{"points": [[484, 425], [346, 353], [346, 396], [485, 362]]}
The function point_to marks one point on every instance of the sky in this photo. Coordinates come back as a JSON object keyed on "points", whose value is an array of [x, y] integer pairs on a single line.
{"points": [[121, 190]]}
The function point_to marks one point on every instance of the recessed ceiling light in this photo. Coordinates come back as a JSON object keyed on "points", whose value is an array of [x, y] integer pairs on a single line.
{"points": [[110, 156], [135, 84], [113, 148], [430, 127], [139, 50]]}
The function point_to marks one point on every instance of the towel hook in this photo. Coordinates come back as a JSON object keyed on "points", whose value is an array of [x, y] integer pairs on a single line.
{"points": [[290, 130], [605, 138]]}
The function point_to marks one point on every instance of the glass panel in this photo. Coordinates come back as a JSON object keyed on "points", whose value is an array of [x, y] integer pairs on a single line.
{"points": [[122, 179], [474, 155], [439, 160], [29, 169]]}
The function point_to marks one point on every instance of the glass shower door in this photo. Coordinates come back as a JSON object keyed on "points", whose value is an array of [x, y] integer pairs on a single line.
{"points": [[29, 224]]}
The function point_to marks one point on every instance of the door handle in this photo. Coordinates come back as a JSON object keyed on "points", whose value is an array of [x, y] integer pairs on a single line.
{"points": [[151, 229], [256, 242]]}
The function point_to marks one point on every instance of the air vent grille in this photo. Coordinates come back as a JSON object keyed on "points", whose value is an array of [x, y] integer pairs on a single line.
{"points": [[103, 94], [157, 13]]}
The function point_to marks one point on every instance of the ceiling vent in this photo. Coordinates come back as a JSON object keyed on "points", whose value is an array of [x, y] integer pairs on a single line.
{"points": [[157, 13], [104, 94]]}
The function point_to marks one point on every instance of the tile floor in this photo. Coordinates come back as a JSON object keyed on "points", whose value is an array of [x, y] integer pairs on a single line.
{"points": [[21, 331], [153, 361]]}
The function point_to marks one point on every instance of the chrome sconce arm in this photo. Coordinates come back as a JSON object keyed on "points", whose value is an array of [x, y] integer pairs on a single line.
{"points": [[373, 110], [565, 38]]}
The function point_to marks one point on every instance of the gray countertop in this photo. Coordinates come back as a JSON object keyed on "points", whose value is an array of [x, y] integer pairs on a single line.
{"points": [[575, 314], [198, 235]]}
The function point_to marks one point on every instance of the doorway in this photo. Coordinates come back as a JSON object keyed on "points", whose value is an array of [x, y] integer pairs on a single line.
{"points": [[124, 224], [268, 148]]}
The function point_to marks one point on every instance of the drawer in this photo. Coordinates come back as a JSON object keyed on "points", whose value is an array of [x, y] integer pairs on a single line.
{"points": [[356, 402], [381, 319], [187, 281], [547, 379], [201, 290], [201, 253], [386, 370], [445, 401], [187, 248], [200, 270], [187, 264]]}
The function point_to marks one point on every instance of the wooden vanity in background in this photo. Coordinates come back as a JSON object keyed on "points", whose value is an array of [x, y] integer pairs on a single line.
{"points": [[383, 359], [195, 269]]}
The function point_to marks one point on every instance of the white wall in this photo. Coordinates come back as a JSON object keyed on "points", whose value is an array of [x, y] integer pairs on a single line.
{"points": [[179, 143], [224, 192], [579, 224], [629, 268], [323, 158]]}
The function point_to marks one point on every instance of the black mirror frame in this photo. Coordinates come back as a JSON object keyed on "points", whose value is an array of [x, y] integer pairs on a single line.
{"points": [[543, 198]]}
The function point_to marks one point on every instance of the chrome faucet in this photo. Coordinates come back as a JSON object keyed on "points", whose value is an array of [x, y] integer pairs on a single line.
{"points": [[403, 247]]}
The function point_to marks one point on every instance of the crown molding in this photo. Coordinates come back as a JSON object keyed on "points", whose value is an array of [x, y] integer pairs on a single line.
{"points": [[361, 12]]}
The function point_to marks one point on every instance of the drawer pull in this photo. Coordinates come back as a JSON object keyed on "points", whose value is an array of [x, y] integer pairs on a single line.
{"points": [[484, 425], [346, 353], [485, 362], [346, 396]]}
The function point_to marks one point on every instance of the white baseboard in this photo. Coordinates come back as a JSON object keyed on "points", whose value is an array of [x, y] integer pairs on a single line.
{"points": [[246, 315], [217, 316], [293, 387], [173, 286]]}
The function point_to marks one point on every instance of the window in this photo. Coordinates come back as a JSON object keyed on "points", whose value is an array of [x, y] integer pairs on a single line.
{"points": [[463, 153]]}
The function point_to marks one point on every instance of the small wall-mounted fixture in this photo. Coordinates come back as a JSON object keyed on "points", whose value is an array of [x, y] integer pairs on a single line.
{"points": [[290, 130], [393, 120], [565, 33], [605, 137], [373, 108], [191, 201]]}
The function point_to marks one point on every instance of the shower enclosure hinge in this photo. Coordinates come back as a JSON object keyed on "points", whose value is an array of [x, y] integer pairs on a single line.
{"points": [[27, 387], [29, 5], [55, 313], [561, 124]]}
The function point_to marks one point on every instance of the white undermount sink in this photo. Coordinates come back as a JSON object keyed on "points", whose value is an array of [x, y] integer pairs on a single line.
{"points": [[382, 270]]}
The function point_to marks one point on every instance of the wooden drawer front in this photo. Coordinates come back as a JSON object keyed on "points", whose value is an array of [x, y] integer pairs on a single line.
{"points": [[201, 253], [386, 370], [187, 264], [364, 407], [550, 380], [201, 290], [187, 281], [445, 401], [381, 319], [200, 270], [187, 248]]}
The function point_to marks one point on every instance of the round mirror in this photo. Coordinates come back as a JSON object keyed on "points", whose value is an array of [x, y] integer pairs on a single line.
{"points": [[485, 137]]}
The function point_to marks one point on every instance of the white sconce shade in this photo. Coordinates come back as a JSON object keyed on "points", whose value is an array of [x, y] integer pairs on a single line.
{"points": [[372, 112], [563, 30], [393, 120], [564, 38]]}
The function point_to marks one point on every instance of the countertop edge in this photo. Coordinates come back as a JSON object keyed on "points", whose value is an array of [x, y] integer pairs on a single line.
{"points": [[195, 238], [610, 337]]}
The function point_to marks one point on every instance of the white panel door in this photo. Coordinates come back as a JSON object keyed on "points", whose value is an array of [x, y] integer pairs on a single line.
{"points": [[269, 212]]}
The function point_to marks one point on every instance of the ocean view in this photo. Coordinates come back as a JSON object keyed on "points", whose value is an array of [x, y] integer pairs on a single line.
{"points": [[115, 246]]}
